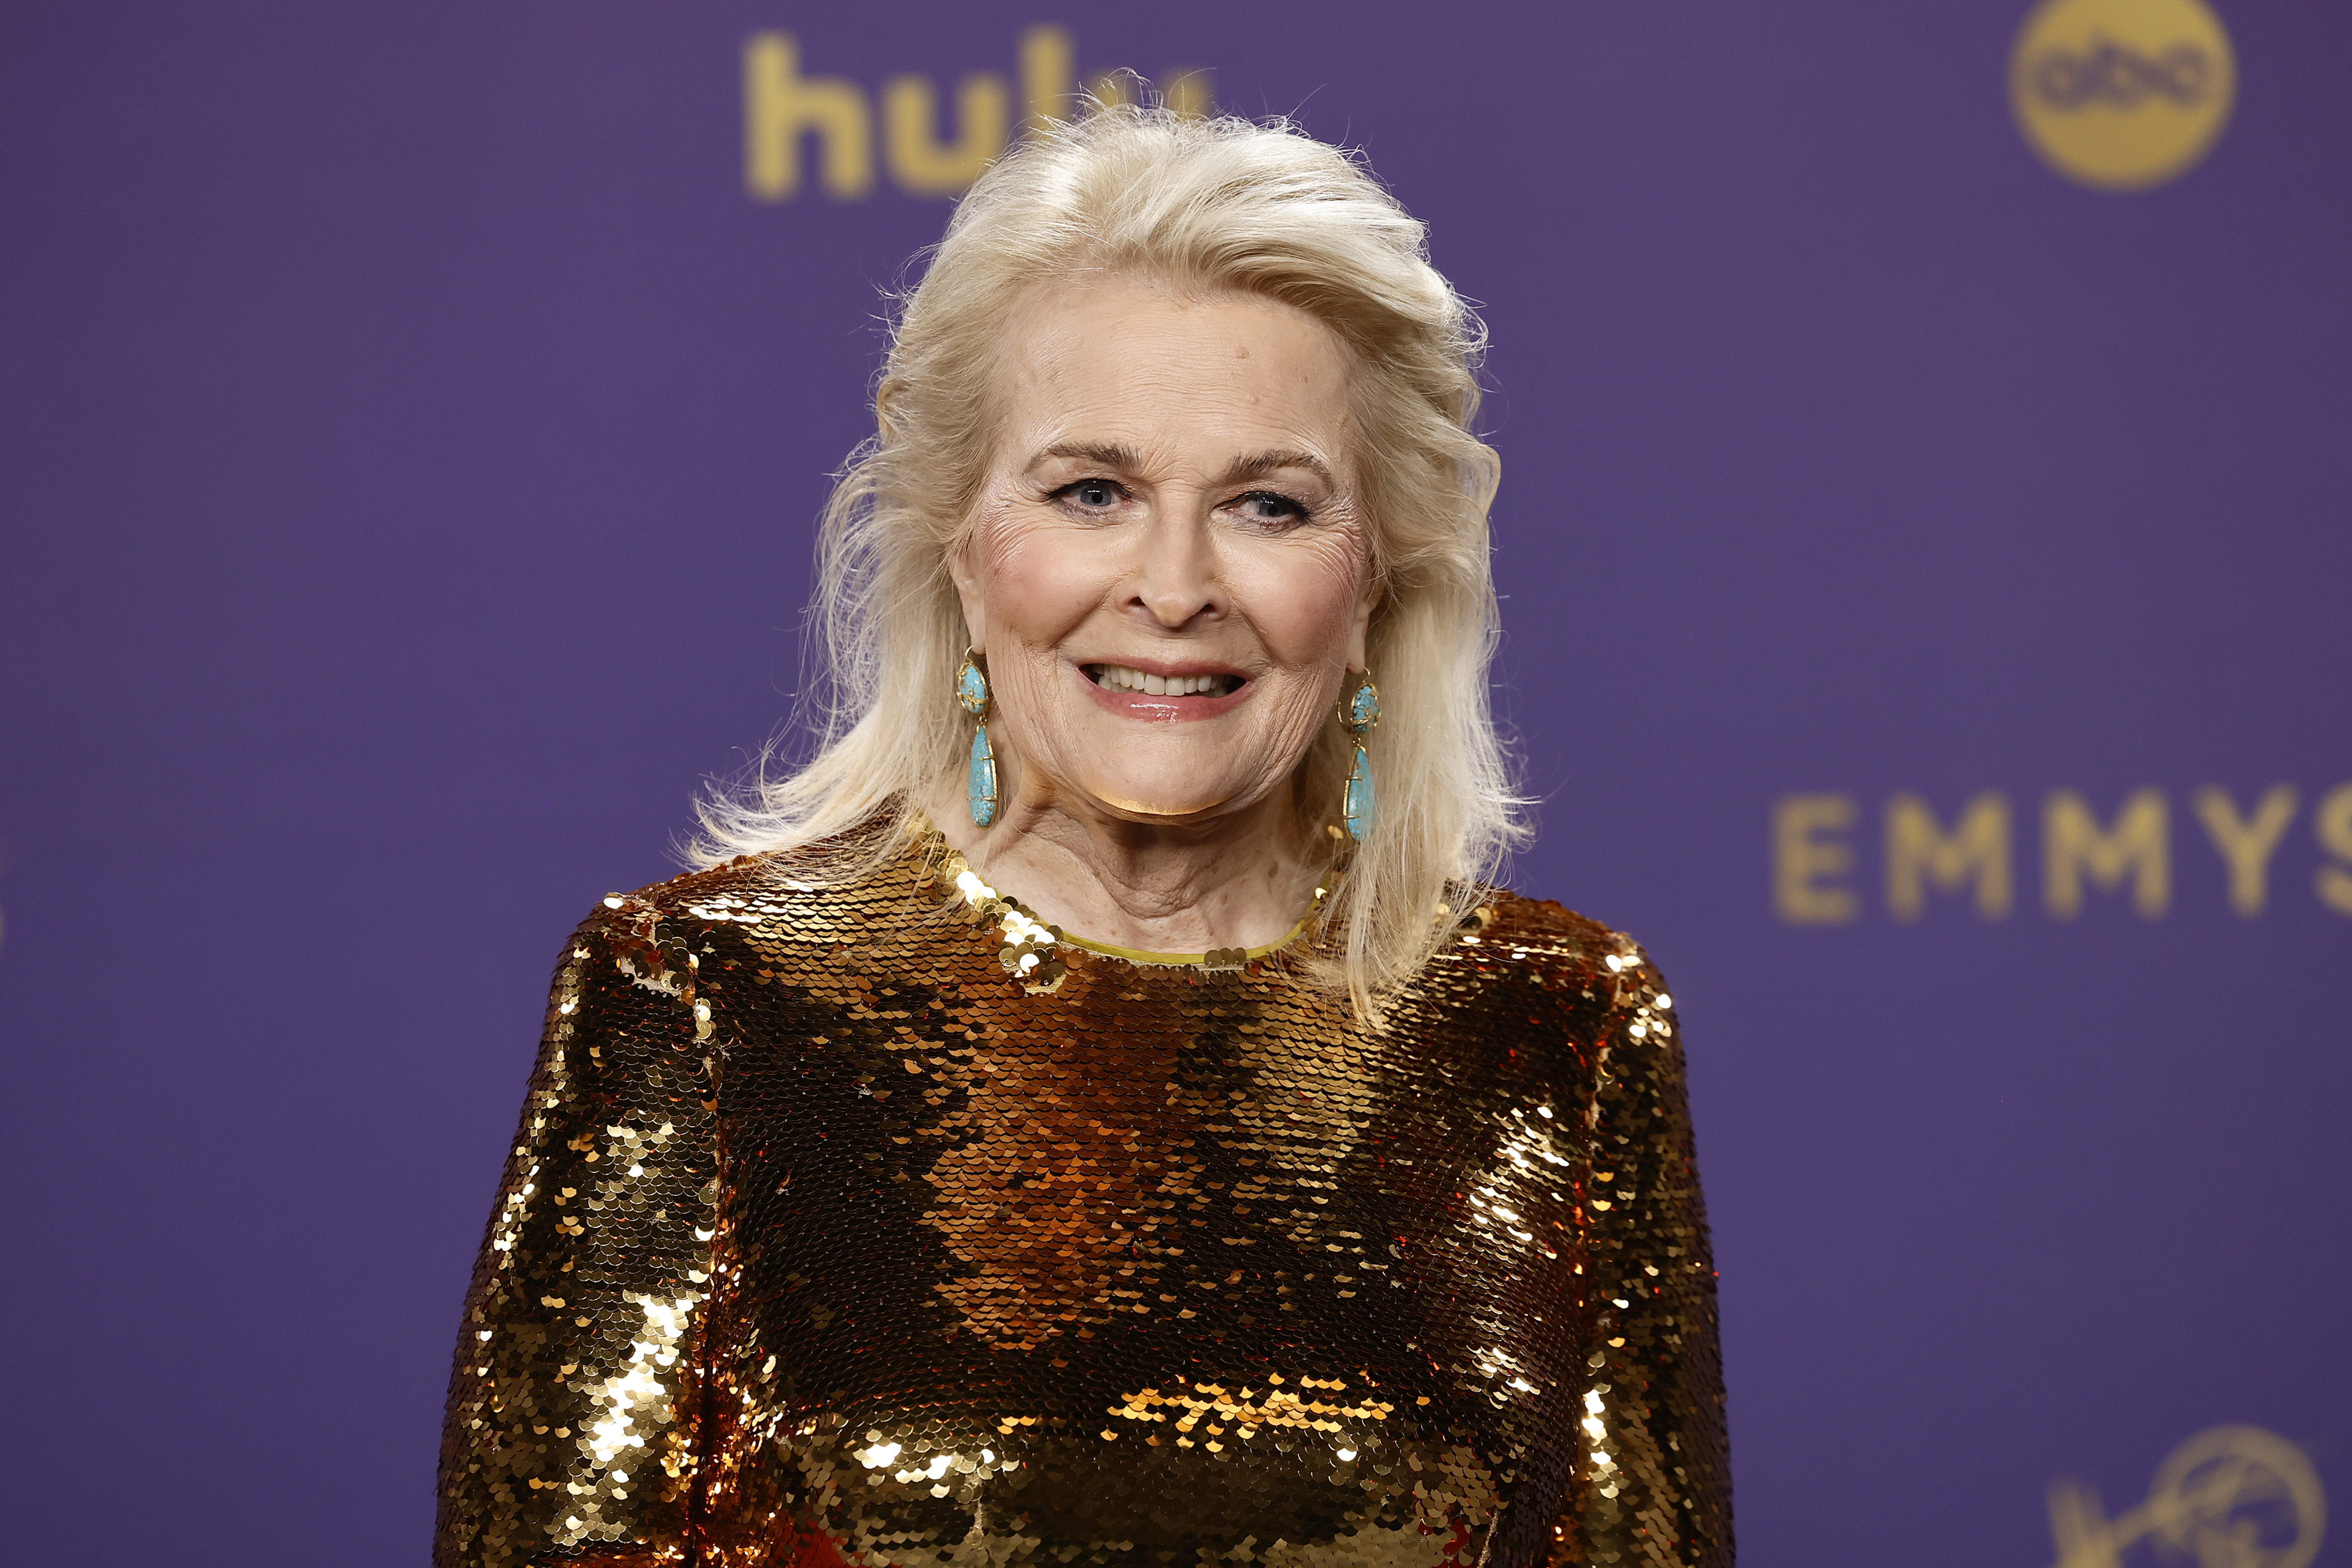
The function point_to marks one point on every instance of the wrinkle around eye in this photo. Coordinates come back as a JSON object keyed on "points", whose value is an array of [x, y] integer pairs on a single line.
{"points": [[1066, 496], [1298, 514]]}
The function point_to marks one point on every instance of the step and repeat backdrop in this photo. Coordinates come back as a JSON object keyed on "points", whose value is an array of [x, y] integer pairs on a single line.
{"points": [[1926, 542]]}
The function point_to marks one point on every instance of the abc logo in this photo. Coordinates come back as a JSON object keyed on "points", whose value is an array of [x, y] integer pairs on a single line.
{"points": [[2122, 94]]}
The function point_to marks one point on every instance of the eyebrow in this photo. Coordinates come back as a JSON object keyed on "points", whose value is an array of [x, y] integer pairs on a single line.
{"points": [[1124, 459], [1108, 455], [1264, 463]]}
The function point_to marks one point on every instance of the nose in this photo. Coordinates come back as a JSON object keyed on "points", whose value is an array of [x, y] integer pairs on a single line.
{"points": [[1176, 582]]}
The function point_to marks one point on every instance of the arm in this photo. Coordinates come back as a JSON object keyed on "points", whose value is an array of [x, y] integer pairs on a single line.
{"points": [[570, 1432], [1657, 1403]]}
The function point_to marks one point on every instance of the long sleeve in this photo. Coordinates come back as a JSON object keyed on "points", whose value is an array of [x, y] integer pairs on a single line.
{"points": [[823, 1238], [1663, 1494], [571, 1434]]}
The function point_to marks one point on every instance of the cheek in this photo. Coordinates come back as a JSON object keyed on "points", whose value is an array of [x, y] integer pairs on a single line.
{"points": [[1304, 600], [1032, 591]]}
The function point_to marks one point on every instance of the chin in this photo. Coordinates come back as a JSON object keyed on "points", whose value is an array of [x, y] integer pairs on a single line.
{"points": [[1170, 802]]}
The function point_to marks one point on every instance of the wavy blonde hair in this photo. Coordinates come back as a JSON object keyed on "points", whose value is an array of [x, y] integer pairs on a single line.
{"points": [[1219, 206]]}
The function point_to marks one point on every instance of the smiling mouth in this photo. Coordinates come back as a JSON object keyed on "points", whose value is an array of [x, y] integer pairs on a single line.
{"points": [[1120, 678]]}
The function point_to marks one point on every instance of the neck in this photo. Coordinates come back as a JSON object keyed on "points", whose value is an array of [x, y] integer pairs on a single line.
{"points": [[1240, 880]]}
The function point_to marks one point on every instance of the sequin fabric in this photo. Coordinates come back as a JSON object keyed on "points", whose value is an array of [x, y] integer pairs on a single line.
{"points": [[826, 1241]]}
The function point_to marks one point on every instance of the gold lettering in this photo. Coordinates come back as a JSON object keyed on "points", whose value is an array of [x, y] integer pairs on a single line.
{"points": [[2079, 1527], [1919, 853], [1048, 75], [1112, 88], [2074, 846], [780, 106], [1803, 858], [926, 167], [2222, 1489], [2246, 846], [2333, 823], [1192, 94]]}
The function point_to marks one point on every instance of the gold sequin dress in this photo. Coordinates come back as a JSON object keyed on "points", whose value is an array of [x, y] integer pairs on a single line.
{"points": [[824, 1240]]}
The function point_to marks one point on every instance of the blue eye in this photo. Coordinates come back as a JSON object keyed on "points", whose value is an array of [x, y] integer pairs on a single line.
{"points": [[1095, 495], [1265, 506]]}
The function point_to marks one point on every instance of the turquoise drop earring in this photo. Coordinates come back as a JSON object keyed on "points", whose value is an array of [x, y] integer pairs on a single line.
{"points": [[980, 780], [1361, 715]]}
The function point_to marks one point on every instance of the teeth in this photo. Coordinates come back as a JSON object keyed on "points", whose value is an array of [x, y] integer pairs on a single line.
{"points": [[1120, 678]]}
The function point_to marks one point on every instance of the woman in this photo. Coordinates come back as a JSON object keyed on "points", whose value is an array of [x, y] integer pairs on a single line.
{"points": [[1086, 1120]]}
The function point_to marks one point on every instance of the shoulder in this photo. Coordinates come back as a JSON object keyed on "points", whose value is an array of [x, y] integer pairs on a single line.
{"points": [[1518, 964], [1513, 946], [809, 894], [1541, 935]]}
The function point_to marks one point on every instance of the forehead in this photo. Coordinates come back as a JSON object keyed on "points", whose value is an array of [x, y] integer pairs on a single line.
{"points": [[1123, 357]]}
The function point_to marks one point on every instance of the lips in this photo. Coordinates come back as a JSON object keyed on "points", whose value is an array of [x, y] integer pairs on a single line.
{"points": [[1165, 694], [1129, 678]]}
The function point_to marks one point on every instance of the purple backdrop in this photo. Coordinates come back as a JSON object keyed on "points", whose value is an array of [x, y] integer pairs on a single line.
{"points": [[413, 431]]}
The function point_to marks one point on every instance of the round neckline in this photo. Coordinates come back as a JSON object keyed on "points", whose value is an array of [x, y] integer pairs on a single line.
{"points": [[1028, 939], [1214, 958]]}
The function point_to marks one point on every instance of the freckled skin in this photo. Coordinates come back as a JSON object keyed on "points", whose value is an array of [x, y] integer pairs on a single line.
{"points": [[1173, 484]]}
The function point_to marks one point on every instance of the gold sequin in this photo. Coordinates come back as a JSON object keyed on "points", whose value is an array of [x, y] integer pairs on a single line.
{"points": [[827, 1239]]}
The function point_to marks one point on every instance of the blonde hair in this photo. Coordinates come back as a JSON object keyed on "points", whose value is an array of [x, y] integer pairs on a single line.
{"points": [[1213, 205]]}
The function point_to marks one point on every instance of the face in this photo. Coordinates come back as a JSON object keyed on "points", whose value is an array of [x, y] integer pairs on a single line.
{"points": [[1166, 566]]}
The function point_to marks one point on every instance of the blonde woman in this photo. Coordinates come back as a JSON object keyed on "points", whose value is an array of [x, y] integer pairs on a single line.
{"points": [[1096, 1111]]}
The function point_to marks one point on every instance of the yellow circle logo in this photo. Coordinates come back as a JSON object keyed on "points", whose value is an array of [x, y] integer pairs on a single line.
{"points": [[2122, 94]]}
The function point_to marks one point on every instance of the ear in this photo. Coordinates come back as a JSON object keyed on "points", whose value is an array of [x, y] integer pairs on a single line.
{"points": [[968, 591], [1360, 621]]}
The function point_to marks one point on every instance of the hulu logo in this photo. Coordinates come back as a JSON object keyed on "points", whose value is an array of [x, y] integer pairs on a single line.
{"points": [[786, 112]]}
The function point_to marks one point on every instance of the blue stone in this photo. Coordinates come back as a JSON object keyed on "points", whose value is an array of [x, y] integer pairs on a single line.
{"points": [[979, 784], [1360, 802], [1364, 707], [971, 689]]}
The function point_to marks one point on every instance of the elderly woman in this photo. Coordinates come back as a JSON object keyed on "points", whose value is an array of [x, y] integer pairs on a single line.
{"points": [[1086, 1120]]}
